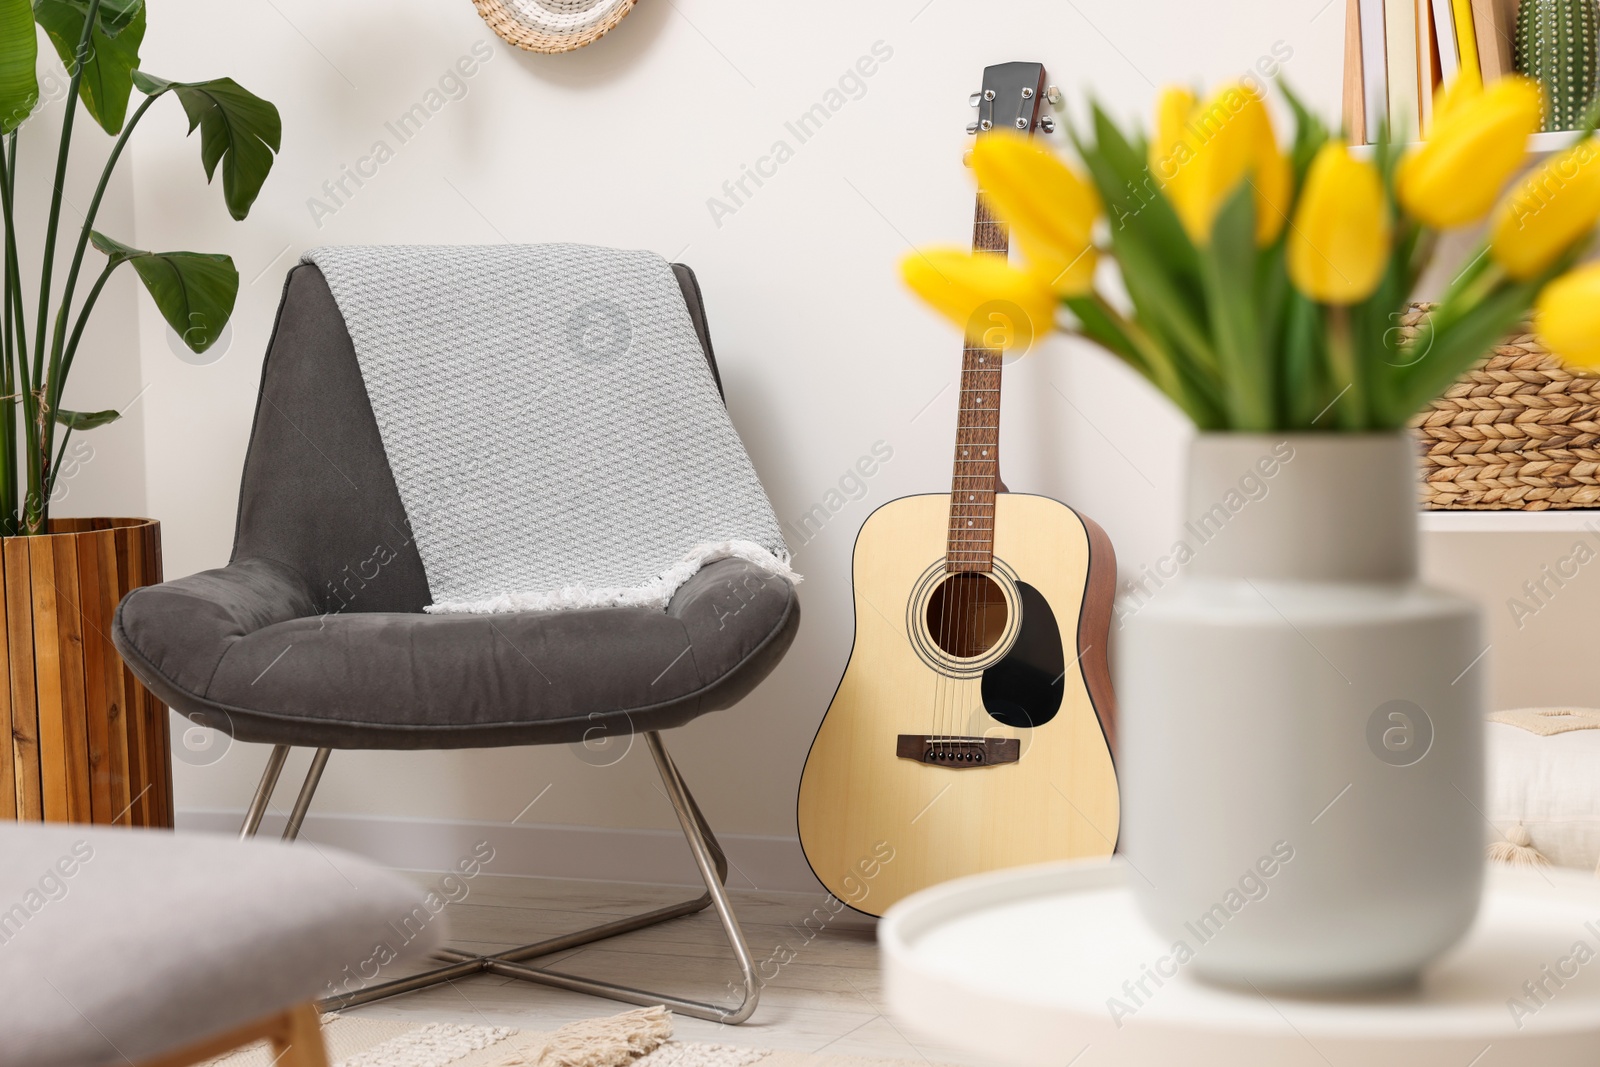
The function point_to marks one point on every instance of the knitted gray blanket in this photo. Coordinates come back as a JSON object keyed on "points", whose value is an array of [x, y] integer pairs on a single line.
{"points": [[554, 431]]}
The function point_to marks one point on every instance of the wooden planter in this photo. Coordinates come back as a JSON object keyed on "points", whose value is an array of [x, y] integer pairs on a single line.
{"points": [[88, 742]]}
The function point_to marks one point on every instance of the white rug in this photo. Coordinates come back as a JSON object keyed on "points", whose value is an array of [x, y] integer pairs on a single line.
{"points": [[633, 1039]]}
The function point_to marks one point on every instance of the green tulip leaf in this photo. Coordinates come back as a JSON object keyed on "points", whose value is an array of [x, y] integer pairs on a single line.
{"points": [[107, 80], [194, 291], [1133, 196], [1310, 134], [237, 129], [19, 52], [1227, 264], [85, 420]]}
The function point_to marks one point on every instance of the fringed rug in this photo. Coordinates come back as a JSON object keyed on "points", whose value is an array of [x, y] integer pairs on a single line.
{"points": [[639, 1038]]}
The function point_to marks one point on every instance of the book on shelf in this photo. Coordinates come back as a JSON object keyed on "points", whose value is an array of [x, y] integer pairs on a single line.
{"points": [[1427, 66], [1492, 24], [1373, 67], [1399, 52], [1444, 31], [1466, 37], [1355, 114]]}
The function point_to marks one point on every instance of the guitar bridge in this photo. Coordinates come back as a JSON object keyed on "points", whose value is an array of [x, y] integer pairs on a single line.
{"points": [[958, 752]]}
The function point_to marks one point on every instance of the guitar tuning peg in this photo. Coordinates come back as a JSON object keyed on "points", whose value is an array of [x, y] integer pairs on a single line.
{"points": [[972, 127], [1047, 124], [1052, 95], [972, 101], [966, 159]]}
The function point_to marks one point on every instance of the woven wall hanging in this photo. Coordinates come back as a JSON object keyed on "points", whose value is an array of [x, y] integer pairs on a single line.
{"points": [[552, 26]]}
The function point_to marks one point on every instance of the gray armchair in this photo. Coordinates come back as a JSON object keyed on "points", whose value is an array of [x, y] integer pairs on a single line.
{"points": [[314, 634]]}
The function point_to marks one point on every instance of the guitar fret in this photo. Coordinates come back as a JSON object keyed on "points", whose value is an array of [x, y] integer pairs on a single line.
{"points": [[970, 542]]}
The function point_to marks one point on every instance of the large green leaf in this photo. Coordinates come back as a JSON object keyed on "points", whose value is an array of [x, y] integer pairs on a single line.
{"points": [[85, 420], [19, 52], [107, 78], [194, 291], [237, 128]]}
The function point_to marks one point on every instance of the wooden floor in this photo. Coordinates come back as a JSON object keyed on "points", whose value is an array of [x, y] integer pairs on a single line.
{"points": [[826, 998]]}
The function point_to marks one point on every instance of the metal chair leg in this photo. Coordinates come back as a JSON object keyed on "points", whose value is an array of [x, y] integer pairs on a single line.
{"points": [[712, 865], [269, 782], [308, 789]]}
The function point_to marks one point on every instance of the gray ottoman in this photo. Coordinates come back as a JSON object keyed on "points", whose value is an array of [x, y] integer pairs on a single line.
{"points": [[141, 947]]}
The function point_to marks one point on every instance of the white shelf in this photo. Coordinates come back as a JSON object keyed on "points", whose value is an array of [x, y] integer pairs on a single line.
{"points": [[1539, 144], [1553, 521]]}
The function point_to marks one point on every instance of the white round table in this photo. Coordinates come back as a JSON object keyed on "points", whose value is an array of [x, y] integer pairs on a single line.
{"points": [[1050, 965]]}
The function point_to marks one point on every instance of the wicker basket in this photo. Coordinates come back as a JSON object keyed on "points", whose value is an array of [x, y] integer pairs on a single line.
{"points": [[1518, 432]]}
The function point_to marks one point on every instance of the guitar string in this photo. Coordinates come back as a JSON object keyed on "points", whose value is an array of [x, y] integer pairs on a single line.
{"points": [[944, 627]]}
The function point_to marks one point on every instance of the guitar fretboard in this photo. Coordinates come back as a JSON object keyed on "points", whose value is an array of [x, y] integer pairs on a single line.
{"points": [[977, 459]]}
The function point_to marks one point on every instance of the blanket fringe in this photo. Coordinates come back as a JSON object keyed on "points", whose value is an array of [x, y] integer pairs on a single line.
{"points": [[653, 594]]}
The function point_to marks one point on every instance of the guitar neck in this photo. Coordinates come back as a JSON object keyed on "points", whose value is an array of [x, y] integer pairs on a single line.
{"points": [[977, 458]]}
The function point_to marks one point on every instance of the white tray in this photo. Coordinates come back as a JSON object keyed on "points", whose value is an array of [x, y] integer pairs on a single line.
{"points": [[1020, 965]]}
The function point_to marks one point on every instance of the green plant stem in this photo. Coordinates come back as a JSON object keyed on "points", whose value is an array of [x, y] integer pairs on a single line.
{"points": [[17, 388], [56, 381], [1352, 400], [38, 461], [71, 348], [8, 377], [55, 468]]}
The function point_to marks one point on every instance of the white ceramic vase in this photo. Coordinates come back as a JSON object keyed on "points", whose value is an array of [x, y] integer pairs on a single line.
{"points": [[1301, 752]]}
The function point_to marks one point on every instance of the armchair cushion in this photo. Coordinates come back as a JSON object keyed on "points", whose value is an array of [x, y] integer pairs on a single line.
{"points": [[243, 649]]}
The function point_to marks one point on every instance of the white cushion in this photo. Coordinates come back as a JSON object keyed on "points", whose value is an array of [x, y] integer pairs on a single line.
{"points": [[1551, 785]]}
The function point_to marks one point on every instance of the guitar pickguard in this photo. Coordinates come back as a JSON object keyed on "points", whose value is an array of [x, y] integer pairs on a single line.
{"points": [[1024, 689]]}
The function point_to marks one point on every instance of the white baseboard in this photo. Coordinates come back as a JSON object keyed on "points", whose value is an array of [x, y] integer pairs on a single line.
{"points": [[537, 850]]}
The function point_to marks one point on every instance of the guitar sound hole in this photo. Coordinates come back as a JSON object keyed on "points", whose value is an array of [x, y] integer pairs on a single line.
{"points": [[967, 614]]}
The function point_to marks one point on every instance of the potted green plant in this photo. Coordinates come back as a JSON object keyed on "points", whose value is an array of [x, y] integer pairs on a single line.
{"points": [[1300, 737], [88, 742]]}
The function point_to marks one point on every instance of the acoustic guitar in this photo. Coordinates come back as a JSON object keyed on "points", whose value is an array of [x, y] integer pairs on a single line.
{"points": [[974, 724]]}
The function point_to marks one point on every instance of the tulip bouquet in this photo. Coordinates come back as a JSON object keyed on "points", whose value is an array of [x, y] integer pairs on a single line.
{"points": [[1265, 282]]}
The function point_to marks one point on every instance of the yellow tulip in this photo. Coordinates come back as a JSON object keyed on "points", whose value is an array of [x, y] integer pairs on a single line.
{"points": [[1473, 148], [1339, 245], [995, 304], [1466, 85], [1200, 154], [1547, 211], [1050, 208], [1567, 317]]}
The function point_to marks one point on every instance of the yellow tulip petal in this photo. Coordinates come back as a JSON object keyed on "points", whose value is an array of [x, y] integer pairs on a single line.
{"points": [[1449, 98], [1567, 317], [1274, 195], [1454, 177], [1547, 211], [994, 304], [1202, 159], [1050, 208], [1066, 275], [1339, 246], [1172, 119]]}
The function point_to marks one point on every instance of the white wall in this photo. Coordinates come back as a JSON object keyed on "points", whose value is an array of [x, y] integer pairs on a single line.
{"points": [[624, 143]]}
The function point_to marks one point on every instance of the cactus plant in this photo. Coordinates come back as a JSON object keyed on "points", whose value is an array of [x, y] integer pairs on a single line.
{"points": [[1556, 45]]}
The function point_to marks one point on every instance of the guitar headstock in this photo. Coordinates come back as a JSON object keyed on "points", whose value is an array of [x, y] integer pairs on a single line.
{"points": [[1010, 99]]}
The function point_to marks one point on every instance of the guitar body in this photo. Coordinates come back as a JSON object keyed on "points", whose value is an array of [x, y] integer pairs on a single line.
{"points": [[926, 767]]}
